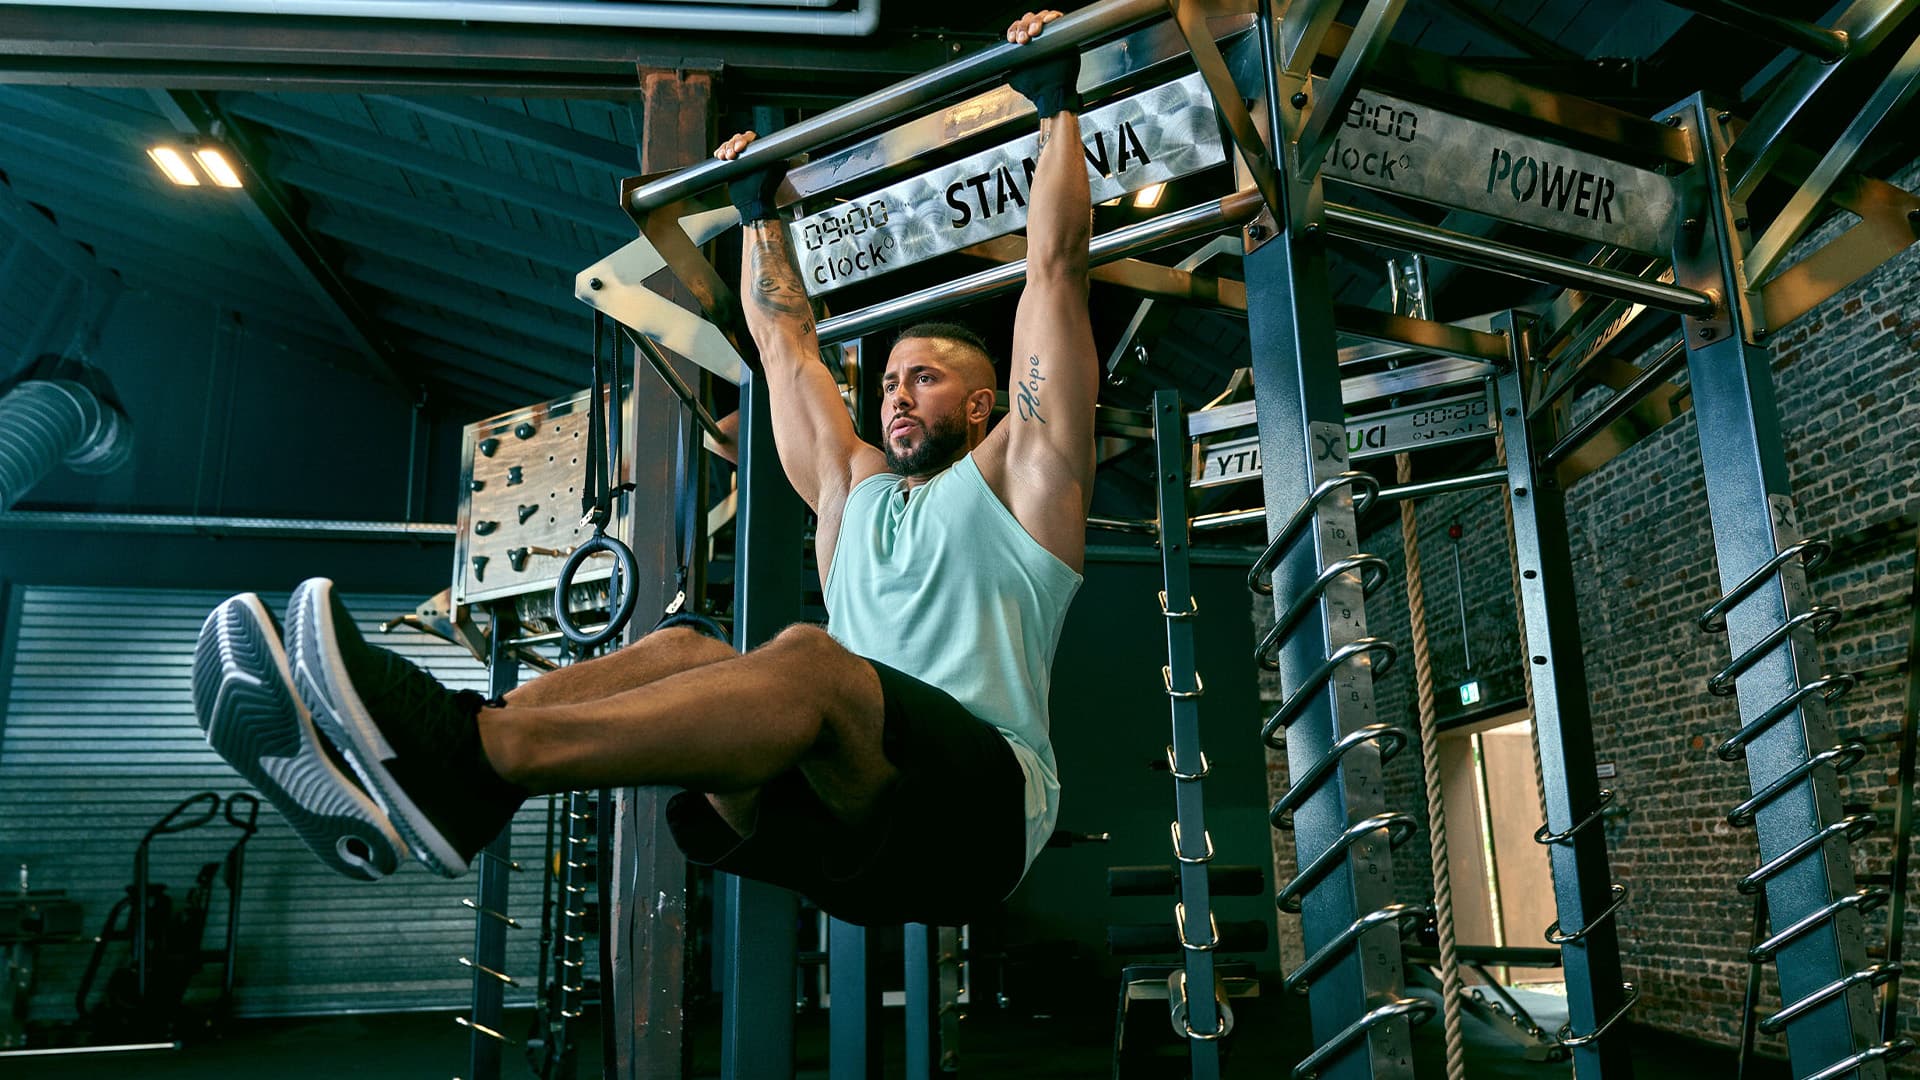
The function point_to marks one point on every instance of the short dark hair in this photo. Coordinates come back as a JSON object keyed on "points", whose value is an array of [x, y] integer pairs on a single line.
{"points": [[948, 331]]}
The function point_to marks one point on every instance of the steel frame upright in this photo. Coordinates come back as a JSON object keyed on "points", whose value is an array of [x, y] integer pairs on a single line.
{"points": [[1584, 894], [490, 922], [1343, 833], [1805, 840], [756, 1015]]}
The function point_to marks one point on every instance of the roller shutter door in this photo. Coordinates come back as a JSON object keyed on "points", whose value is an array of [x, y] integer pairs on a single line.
{"points": [[98, 740]]}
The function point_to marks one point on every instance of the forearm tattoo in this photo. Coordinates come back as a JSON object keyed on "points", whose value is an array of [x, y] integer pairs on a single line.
{"points": [[1028, 399], [773, 284]]}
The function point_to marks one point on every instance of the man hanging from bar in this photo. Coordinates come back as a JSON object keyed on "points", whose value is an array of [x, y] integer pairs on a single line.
{"points": [[893, 767]]}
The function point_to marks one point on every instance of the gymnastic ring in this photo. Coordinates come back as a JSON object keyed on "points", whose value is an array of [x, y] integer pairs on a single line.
{"points": [[621, 591]]}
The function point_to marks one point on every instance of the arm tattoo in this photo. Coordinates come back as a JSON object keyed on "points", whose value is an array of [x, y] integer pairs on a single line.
{"points": [[773, 284], [1029, 387]]}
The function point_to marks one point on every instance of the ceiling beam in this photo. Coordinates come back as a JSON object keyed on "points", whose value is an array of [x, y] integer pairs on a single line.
{"points": [[411, 209], [556, 140], [465, 303], [34, 227], [267, 209], [538, 361], [434, 256], [602, 216]]}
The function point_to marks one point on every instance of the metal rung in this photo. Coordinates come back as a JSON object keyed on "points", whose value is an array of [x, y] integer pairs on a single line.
{"points": [[1180, 925], [1887, 1051], [1820, 618], [1325, 955], [1259, 576], [1179, 847], [1177, 1003], [1853, 827], [572, 914], [1193, 608], [1842, 758], [483, 1029], [468, 903], [1284, 626], [1876, 975], [575, 889], [1416, 1010], [577, 865], [1714, 620], [1542, 836], [573, 963], [1166, 676], [573, 1014], [1174, 768], [1555, 937], [577, 816], [573, 939], [1830, 688], [1400, 828], [485, 970], [1392, 740], [579, 839], [1568, 1039], [1292, 707], [1864, 901]]}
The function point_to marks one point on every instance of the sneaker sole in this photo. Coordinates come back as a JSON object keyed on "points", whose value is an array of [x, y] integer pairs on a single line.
{"points": [[243, 696], [320, 674]]}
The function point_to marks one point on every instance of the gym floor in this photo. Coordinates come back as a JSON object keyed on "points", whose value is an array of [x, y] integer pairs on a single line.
{"points": [[994, 1045]]}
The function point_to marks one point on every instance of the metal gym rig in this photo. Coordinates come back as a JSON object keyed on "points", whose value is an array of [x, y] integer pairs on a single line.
{"points": [[1289, 98]]}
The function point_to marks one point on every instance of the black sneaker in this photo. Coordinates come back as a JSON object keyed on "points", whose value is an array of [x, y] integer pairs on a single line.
{"points": [[243, 694], [414, 743]]}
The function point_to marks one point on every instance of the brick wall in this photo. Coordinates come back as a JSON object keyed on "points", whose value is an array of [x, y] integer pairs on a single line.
{"points": [[1848, 383]]}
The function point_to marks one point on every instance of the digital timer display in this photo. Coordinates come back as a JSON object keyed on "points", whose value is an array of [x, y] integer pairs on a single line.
{"points": [[851, 222], [1383, 119]]}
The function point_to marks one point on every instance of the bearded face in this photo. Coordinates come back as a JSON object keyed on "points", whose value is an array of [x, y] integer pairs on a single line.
{"points": [[924, 449]]}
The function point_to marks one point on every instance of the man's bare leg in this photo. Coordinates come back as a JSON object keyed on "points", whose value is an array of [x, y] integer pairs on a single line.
{"points": [[659, 654], [728, 726]]}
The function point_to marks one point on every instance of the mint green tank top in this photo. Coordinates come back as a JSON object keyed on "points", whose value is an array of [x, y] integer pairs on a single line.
{"points": [[944, 584]]}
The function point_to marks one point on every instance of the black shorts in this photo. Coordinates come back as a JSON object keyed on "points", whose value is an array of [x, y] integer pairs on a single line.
{"points": [[947, 843]]}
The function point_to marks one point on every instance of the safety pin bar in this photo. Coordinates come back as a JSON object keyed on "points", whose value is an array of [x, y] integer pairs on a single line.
{"points": [[1568, 1039], [1820, 618], [1177, 1002], [1887, 1051], [482, 1029], [1259, 577], [1842, 758], [644, 345], [1174, 768], [1291, 708], [1193, 608], [1166, 676], [1830, 687], [485, 970], [892, 102], [1853, 827], [1180, 924], [1555, 937], [1400, 828], [468, 903], [1864, 901], [1876, 975], [1416, 1010], [1158, 232], [1297, 982], [1267, 651], [1478, 251], [1392, 740], [1179, 847], [1542, 836], [1812, 553]]}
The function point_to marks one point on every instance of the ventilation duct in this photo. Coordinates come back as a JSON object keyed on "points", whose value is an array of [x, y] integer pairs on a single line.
{"points": [[60, 413]]}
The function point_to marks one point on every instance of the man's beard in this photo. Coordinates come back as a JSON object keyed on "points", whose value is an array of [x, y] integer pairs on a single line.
{"points": [[946, 437]]}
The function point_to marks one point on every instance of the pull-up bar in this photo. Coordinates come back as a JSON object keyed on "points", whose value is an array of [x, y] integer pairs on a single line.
{"points": [[895, 101]]}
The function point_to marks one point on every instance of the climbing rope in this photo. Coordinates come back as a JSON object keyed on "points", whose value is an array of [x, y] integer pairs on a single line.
{"points": [[1430, 765]]}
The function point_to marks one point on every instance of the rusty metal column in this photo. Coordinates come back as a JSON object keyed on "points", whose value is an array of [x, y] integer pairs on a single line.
{"points": [[644, 951]]}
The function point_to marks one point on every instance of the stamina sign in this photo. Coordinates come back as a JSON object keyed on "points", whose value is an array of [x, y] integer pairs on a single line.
{"points": [[1164, 133], [1402, 148]]}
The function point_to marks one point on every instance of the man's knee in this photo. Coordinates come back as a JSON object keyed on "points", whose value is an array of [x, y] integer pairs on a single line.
{"points": [[846, 679]]}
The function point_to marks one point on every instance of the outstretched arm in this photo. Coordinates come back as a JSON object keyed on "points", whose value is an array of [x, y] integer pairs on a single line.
{"points": [[819, 450], [1045, 458]]}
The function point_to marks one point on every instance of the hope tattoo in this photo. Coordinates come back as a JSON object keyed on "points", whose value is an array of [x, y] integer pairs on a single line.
{"points": [[1029, 399]]}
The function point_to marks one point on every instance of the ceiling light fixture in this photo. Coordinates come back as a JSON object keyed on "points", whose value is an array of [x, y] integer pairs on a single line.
{"points": [[217, 167], [174, 165], [1149, 197]]}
